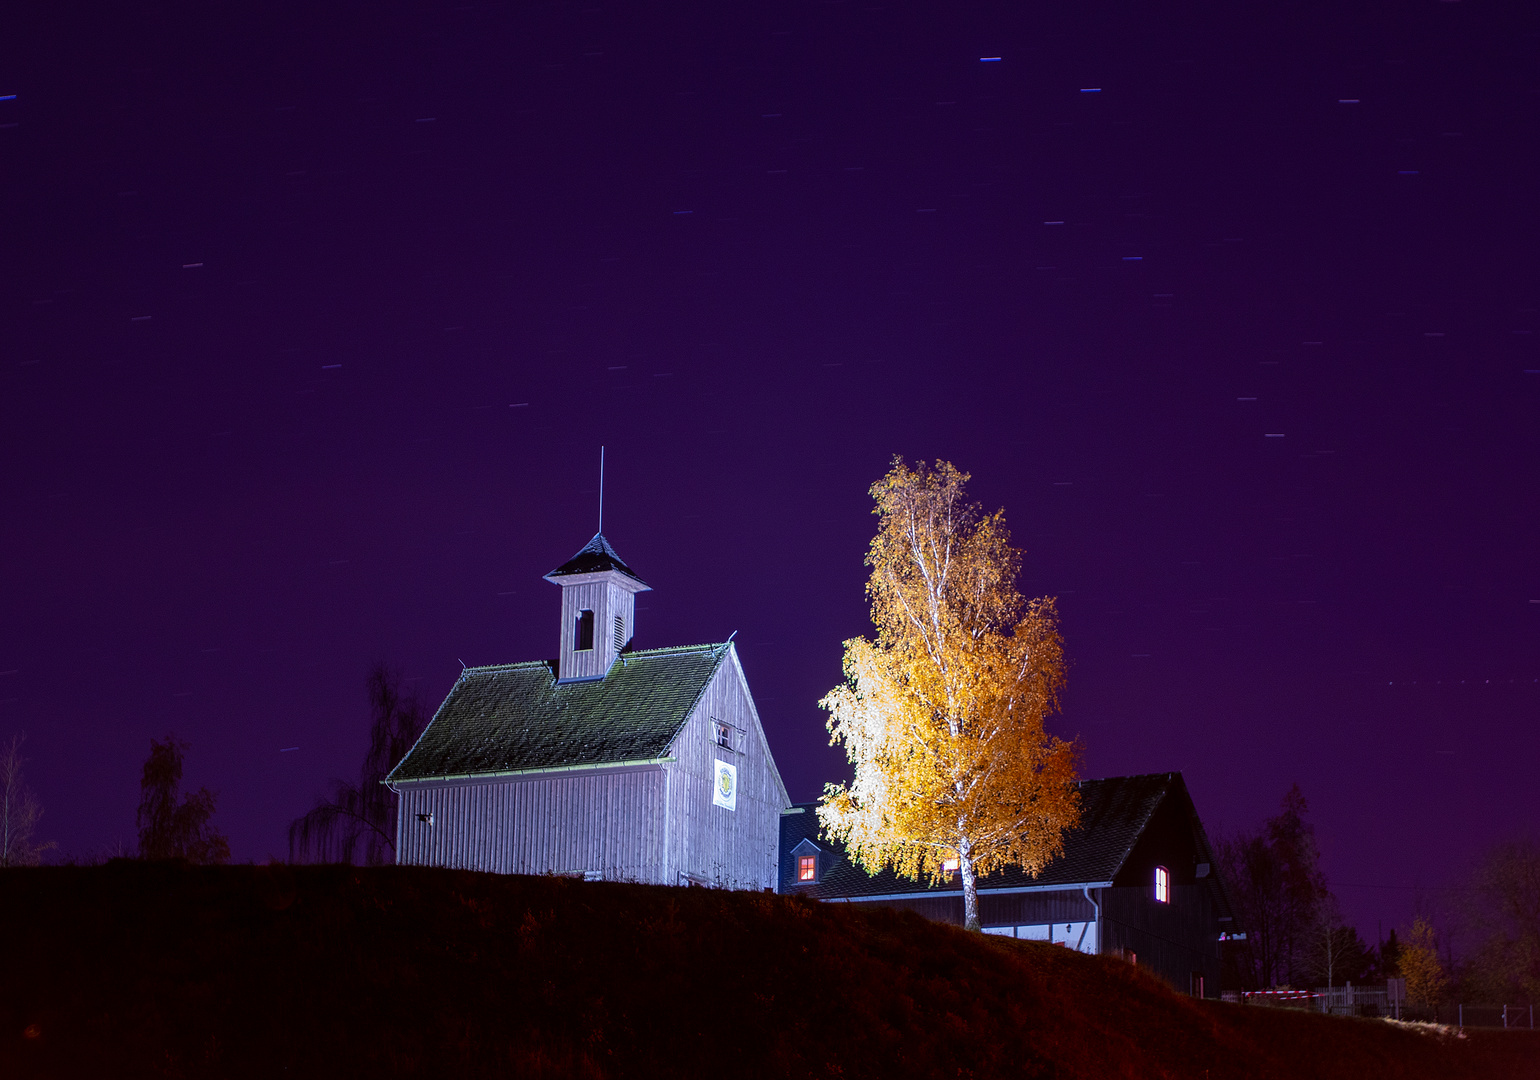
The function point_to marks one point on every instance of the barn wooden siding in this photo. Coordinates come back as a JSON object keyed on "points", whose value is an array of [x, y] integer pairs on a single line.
{"points": [[1175, 940], [608, 601], [734, 849], [608, 822]]}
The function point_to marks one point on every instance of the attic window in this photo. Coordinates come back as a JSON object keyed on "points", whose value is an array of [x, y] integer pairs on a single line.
{"points": [[807, 867], [1162, 885], [620, 633], [583, 633], [426, 819], [724, 735]]}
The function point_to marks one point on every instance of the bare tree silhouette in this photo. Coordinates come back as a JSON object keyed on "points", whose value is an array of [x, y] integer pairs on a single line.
{"points": [[356, 823]]}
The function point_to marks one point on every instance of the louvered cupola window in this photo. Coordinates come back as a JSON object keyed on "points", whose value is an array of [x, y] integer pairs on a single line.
{"points": [[620, 633]]}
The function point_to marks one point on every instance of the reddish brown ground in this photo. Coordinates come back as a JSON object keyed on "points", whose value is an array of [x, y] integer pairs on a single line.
{"points": [[141, 969]]}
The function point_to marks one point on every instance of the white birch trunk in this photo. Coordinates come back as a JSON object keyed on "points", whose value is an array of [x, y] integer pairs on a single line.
{"points": [[970, 887]]}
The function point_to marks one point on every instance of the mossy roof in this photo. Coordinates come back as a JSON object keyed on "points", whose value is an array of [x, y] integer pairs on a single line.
{"points": [[512, 718]]}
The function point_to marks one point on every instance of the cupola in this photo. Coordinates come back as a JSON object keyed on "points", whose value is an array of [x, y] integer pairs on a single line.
{"points": [[598, 610]]}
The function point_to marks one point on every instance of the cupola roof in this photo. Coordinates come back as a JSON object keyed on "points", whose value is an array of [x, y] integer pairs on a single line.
{"points": [[595, 557]]}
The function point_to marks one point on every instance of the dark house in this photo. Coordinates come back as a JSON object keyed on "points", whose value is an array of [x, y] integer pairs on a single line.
{"points": [[1137, 879]]}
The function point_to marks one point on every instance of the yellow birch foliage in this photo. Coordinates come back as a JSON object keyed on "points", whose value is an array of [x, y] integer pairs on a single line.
{"points": [[1426, 983], [942, 715]]}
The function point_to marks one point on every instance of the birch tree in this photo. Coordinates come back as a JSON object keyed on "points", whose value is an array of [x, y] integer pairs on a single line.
{"points": [[1333, 950], [942, 715], [19, 810]]}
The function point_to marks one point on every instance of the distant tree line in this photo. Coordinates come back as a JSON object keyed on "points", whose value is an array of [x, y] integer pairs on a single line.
{"points": [[1296, 936], [354, 822]]}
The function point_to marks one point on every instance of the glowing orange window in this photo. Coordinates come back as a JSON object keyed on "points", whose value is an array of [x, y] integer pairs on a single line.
{"points": [[807, 867]]}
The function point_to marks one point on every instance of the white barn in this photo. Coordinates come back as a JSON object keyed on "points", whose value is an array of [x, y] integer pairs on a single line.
{"points": [[605, 762]]}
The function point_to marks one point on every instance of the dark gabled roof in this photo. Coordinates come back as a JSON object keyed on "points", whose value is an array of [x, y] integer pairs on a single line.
{"points": [[595, 557], [1113, 814], [516, 717]]}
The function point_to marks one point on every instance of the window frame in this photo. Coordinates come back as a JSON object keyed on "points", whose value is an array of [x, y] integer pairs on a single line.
{"points": [[583, 630], [1162, 885], [807, 869]]}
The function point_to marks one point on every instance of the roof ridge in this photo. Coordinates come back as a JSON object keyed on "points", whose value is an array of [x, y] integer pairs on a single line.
{"points": [[1131, 776], [677, 648], [506, 665]]}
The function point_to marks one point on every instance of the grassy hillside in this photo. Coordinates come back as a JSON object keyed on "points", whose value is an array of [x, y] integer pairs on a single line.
{"points": [[161, 969]]}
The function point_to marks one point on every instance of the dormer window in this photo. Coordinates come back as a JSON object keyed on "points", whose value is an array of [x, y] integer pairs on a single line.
{"points": [[583, 632], [804, 861], [1162, 885]]}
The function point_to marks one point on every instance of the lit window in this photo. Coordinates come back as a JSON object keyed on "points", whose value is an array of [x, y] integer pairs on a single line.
{"points": [[950, 866], [583, 633], [1162, 885], [724, 736], [807, 867]]}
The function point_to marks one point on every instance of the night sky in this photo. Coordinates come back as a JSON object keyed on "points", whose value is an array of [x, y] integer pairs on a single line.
{"points": [[315, 316]]}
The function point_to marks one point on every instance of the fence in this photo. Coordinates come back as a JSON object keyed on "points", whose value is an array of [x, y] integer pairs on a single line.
{"points": [[1350, 1000], [1489, 1016], [1389, 1001]]}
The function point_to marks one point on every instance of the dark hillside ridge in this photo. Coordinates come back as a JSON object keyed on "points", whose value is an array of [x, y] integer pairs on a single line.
{"points": [[144, 969]]}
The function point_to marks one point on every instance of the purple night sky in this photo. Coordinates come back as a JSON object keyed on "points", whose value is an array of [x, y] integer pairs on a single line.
{"points": [[313, 326]]}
